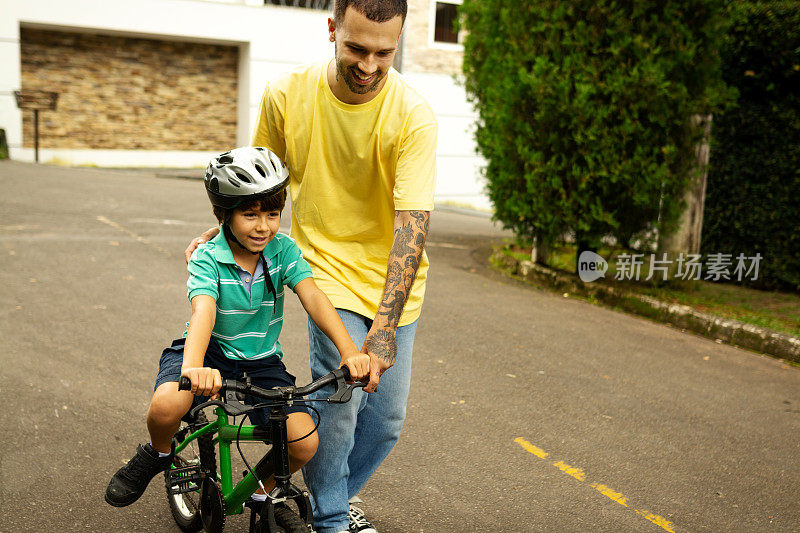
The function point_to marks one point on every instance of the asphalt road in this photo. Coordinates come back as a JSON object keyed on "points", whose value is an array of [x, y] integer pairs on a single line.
{"points": [[529, 411]]}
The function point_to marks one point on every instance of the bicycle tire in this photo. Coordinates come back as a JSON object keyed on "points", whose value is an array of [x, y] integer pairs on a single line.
{"points": [[288, 521], [185, 508]]}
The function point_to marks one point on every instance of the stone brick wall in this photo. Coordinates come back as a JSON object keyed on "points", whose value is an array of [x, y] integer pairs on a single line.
{"points": [[418, 56], [130, 93]]}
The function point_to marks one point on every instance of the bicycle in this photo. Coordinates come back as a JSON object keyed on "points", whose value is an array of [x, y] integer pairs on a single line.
{"points": [[200, 498]]}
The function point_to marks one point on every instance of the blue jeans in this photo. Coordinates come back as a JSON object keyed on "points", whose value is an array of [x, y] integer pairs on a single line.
{"points": [[354, 438]]}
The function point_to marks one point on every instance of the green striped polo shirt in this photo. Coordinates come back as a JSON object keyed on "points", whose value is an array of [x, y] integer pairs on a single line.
{"points": [[247, 326]]}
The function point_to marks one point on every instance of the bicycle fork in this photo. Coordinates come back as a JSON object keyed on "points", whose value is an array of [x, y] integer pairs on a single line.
{"points": [[276, 463]]}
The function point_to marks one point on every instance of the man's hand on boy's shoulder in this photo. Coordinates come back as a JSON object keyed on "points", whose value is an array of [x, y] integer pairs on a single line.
{"points": [[206, 381], [197, 241]]}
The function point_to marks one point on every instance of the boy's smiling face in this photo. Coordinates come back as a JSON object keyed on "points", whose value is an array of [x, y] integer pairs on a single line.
{"points": [[253, 227]]}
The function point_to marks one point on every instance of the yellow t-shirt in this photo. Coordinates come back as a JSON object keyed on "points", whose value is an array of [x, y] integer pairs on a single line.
{"points": [[351, 167]]}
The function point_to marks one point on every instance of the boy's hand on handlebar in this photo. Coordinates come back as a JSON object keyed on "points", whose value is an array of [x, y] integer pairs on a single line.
{"points": [[205, 381], [358, 364], [205, 237]]}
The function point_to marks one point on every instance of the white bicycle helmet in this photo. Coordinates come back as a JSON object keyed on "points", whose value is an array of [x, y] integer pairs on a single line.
{"points": [[235, 175]]}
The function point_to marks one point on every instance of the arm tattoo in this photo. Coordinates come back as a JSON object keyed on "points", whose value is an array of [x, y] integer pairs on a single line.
{"points": [[393, 308], [404, 259], [404, 237], [422, 218], [411, 229], [394, 274], [383, 344]]}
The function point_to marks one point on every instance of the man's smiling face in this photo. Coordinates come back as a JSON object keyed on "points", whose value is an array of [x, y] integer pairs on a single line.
{"points": [[365, 50]]}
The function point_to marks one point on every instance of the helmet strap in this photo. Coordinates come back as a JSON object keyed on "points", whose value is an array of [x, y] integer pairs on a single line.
{"points": [[230, 236], [270, 286]]}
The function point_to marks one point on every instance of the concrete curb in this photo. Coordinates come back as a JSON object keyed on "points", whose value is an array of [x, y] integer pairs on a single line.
{"points": [[720, 329]]}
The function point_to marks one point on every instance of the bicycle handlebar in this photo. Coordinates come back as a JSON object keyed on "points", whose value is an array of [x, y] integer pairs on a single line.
{"points": [[339, 376]]}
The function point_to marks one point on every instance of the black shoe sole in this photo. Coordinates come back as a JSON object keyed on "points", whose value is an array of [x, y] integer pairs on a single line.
{"points": [[123, 503]]}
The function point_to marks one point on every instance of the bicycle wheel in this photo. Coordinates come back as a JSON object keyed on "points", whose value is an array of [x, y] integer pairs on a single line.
{"points": [[185, 507], [288, 522]]}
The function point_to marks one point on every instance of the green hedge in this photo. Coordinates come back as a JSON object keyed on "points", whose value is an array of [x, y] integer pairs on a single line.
{"points": [[584, 109], [753, 191]]}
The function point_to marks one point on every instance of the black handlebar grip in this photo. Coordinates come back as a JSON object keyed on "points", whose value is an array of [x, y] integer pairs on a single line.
{"points": [[185, 383], [345, 372]]}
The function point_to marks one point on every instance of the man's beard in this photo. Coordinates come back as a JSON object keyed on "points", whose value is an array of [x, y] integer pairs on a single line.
{"points": [[348, 75]]}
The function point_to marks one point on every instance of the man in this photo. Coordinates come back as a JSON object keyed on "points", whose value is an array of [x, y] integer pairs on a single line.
{"points": [[361, 148]]}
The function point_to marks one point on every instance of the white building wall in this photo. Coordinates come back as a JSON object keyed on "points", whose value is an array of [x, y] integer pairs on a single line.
{"points": [[459, 179], [272, 40]]}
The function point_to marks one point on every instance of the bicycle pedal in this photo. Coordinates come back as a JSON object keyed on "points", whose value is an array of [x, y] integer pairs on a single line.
{"points": [[184, 479]]}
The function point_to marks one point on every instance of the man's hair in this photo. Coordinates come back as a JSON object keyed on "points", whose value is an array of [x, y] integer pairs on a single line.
{"points": [[374, 10], [264, 202]]}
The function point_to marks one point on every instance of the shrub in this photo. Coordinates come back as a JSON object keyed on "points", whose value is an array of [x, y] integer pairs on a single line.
{"points": [[754, 179], [584, 110]]}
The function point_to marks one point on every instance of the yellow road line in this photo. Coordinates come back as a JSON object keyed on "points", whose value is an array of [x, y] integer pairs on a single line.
{"points": [[605, 490], [611, 493], [538, 452], [657, 520], [573, 471]]}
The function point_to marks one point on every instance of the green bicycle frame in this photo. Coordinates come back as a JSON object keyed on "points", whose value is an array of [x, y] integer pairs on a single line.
{"points": [[234, 495]]}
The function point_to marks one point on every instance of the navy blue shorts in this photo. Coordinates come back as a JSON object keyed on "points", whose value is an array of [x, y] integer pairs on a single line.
{"points": [[265, 373]]}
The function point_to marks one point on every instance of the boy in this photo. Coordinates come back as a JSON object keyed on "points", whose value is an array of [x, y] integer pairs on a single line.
{"points": [[236, 290]]}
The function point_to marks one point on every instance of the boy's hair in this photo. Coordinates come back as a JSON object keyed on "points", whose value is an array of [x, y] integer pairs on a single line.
{"points": [[374, 10], [263, 201]]}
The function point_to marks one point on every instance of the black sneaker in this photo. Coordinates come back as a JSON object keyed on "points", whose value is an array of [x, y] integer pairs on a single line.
{"points": [[359, 522], [129, 482]]}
